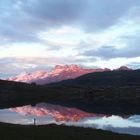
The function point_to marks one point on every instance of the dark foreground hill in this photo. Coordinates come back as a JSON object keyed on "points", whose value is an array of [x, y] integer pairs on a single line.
{"points": [[116, 92], [110, 78], [53, 132]]}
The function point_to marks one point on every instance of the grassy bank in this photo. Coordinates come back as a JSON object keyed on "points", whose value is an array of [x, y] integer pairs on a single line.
{"points": [[53, 132]]}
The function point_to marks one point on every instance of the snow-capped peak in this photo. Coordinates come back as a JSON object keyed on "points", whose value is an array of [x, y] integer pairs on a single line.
{"points": [[72, 67], [57, 74], [39, 73]]}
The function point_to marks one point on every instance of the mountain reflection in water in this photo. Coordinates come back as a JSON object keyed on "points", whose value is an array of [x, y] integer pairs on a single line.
{"points": [[45, 113]]}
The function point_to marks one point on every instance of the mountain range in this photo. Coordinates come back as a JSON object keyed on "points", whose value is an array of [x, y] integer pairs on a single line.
{"points": [[53, 112], [59, 73], [109, 92]]}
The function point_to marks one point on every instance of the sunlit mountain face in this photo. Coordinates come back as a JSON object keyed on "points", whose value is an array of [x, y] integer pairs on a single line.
{"points": [[44, 113], [58, 113], [59, 73]]}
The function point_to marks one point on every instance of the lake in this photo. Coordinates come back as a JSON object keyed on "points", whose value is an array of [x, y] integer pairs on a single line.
{"points": [[44, 113]]}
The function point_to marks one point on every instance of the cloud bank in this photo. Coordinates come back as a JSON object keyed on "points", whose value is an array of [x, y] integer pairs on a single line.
{"points": [[90, 31]]}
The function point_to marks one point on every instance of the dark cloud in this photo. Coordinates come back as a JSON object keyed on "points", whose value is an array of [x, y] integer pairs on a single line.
{"points": [[21, 20], [102, 14], [109, 52], [54, 12]]}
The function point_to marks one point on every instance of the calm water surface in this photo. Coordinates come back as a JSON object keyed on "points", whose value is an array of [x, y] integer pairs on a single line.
{"points": [[44, 113]]}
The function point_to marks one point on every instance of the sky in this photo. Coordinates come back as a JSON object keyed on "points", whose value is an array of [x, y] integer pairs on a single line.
{"points": [[39, 34]]}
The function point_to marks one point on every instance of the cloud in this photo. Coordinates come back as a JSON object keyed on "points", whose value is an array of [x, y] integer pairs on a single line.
{"points": [[23, 20], [134, 65], [109, 52], [120, 41], [67, 31], [17, 65]]}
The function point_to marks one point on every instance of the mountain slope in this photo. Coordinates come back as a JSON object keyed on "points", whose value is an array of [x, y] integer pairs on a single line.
{"points": [[107, 78], [55, 132], [59, 73], [114, 92]]}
